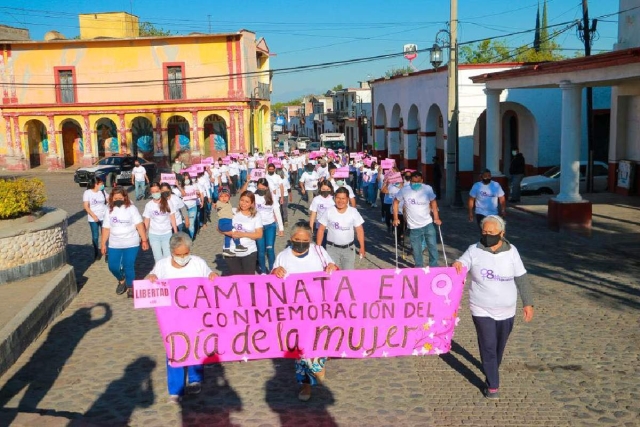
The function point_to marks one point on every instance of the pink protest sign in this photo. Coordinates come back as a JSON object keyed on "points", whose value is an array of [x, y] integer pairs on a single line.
{"points": [[367, 162], [341, 172], [296, 152], [148, 295], [277, 163], [241, 156], [169, 178], [198, 168], [353, 314], [256, 174], [387, 163], [207, 161], [280, 153], [393, 178], [353, 155], [226, 160], [260, 163], [234, 155], [190, 195]]}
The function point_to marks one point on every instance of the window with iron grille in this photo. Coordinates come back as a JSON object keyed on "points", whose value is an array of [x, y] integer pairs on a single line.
{"points": [[66, 87], [175, 82]]}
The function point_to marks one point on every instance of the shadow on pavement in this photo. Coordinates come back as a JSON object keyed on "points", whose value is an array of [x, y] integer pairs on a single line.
{"points": [[281, 396], [214, 405], [458, 366], [43, 368], [115, 406]]}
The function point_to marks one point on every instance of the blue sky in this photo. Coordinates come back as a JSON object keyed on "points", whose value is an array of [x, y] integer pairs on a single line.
{"points": [[311, 32]]}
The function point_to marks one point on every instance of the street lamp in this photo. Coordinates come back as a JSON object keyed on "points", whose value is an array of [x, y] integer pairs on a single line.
{"points": [[435, 56]]}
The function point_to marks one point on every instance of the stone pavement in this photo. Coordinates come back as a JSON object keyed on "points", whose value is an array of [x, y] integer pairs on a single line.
{"points": [[576, 364]]}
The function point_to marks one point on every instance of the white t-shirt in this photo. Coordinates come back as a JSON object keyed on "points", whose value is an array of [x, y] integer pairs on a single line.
{"points": [[320, 205], [417, 205], [486, 197], [190, 189], [392, 191], [97, 203], [224, 170], [493, 291], [177, 203], [323, 172], [274, 184], [234, 169], [269, 213], [121, 223], [197, 267], [310, 180], [246, 224], [251, 162], [159, 222], [138, 173], [347, 186], [315, 260], [341, 226]]}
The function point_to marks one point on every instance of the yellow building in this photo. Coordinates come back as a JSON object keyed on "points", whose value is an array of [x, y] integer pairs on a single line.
{"points": [[69, 102]]}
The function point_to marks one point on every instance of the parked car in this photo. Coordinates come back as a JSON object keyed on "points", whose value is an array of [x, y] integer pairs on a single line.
{"points": [[302, 143], [114, 170], [313, 146], [549, 182]]}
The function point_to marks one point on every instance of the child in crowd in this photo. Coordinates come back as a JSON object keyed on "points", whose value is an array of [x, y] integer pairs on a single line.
{"points": [[225, 216]]}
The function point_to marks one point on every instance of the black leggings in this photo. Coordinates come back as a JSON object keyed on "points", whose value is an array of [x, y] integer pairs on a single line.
{"points": [[242, 265]]}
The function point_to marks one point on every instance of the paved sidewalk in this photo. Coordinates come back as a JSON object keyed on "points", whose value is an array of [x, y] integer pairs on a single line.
{"points": [[576, 364]]}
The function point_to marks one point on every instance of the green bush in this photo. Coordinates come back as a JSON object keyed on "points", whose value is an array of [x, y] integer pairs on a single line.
{"points": [[21, 197]]}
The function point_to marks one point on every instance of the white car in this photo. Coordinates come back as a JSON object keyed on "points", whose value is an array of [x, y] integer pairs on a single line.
{"points": [[549, 182]]}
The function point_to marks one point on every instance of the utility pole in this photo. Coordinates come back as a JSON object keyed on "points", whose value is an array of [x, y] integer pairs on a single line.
{"points": [[586, 38], [452, 103]]}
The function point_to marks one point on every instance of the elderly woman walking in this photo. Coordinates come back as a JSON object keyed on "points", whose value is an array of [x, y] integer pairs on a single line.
{"points": [[182, 264], [497, 277], [305, 257]]}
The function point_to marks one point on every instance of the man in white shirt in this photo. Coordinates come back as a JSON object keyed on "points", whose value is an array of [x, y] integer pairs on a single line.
{"points": [[276, 184], [420, 205], [140, 179], [486, 195], [309, 182], [234, 173]]}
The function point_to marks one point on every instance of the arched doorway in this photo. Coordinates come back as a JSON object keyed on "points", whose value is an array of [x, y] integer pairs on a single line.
{"points": [[215, 137], [509, 139], [433, 144], [395, 130], [72, 143], [107, 137], [142, 137], [380, 141], [179, 135], [37, 142], [410, 136]]}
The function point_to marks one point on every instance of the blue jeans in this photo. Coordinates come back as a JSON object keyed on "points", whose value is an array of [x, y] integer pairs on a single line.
{"points": [[191, 213], [226, 224], [416, 236], [372, 193], [242, 179], [266, 244], [176, 377], [122, 263], [214, 193], [96, 228], [141, 187], [160, 245]]}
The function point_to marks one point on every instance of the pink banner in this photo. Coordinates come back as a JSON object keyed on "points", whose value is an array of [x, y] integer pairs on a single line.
{"points": [[393, 178], [341, 172], [169, 178], [256, 174], [207, 161], [387, 163], [349, 314], [190, 195]]}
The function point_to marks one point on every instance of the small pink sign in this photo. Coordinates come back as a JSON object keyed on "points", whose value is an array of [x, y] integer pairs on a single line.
{"points": [[147, 294], [296, 152], [190, 195], [234, 155], [387, 163], [280, 153], [198, 168], [169, 178], [277, 163], [241, 156], [393, 177], [342, 172], [353, 155], [260, 163], [207, 161], [226, 161], [367, 162], [256, 174]]}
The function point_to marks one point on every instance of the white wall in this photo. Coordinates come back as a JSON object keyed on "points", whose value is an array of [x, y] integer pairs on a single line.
{"points": [[628, 25]]}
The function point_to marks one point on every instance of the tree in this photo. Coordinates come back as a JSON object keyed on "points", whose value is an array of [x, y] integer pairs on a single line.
{"points": [[280, 106], [337, 87], [147, 29], [398, 71], [484, 52]]}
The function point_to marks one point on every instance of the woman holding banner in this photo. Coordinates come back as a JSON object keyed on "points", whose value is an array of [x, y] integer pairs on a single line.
{"points": [[497, 277], [305, 257], [182, 265], [247, 226]]}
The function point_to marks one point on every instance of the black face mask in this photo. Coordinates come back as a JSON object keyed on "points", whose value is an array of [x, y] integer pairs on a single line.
{"points": [[407, 178], [300, 247], [325, 193], [261, 192], [489, 240], [271, 172], [486, 181], [166, 193], [118, 203]]}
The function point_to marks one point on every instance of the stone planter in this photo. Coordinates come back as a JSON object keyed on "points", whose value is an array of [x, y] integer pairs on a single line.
{"points": [[32, 245]]}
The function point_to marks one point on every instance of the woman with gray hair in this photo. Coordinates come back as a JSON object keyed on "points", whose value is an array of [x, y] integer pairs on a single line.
{"points": [[181, 264], [304, 257], [497, 277]]}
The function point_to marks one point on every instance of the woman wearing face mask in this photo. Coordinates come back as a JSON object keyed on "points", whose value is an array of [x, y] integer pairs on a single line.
{"points": [[160, 222], [305, 257], [269, 210], [191, 195], [174, 196], [486, 197], [247, 226], [389, 191], [319, 206], [497, 277], [181, 264], [122, 231], [94, 201]]}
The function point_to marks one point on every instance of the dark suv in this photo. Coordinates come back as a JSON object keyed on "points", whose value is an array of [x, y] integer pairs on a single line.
{"points": [[114, 170]]}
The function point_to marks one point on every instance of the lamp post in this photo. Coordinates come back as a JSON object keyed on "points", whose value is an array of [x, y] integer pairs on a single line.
{"points": [[253, 103], [449, 39]]}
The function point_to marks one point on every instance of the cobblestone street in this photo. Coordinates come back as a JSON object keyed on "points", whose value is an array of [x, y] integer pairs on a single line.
{"points": [[576, 364]]}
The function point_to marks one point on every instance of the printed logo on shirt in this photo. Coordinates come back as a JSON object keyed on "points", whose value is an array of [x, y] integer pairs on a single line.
{"points": [[486, 194], [238, 227], [336, 226], [413, 201], [490, 275], [115, 220], [97, 202]]}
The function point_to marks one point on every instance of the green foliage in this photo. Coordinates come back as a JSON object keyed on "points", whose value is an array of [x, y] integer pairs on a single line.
{"points": [[496, 51], [399, 71], [21, 197], [338, 87], [279, 107], [147, 29]]}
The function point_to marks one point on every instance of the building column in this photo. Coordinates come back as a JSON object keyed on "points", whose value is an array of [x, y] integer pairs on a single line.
{"points": [[242, 145], [53, 160], [19, 161], [122, 135], [8, 135], [494, 130], [393, 144], [159, 155], [196, 154], [87, 158], [570, 143], [232, 129], [410, 148]]}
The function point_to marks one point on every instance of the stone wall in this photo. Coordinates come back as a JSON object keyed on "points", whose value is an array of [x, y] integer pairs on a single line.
{"points": [[32, 248]]}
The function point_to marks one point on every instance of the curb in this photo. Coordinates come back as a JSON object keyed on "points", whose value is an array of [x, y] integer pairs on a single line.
{"points": [[36, 315]]}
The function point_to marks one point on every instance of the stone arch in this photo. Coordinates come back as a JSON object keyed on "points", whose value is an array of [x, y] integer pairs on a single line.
{"points": [[381, 133], [72, 142], [216, 136], [107, 137], [396, 125], [37, 142], [179, 138], [142, 137]]}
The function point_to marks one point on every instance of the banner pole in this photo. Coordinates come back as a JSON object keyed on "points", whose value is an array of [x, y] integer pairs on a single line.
{"points": [[444, 252]]}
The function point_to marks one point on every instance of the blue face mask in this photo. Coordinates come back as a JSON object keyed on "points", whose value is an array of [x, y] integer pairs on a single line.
{"points": [[416, 186], [101, 187]]}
